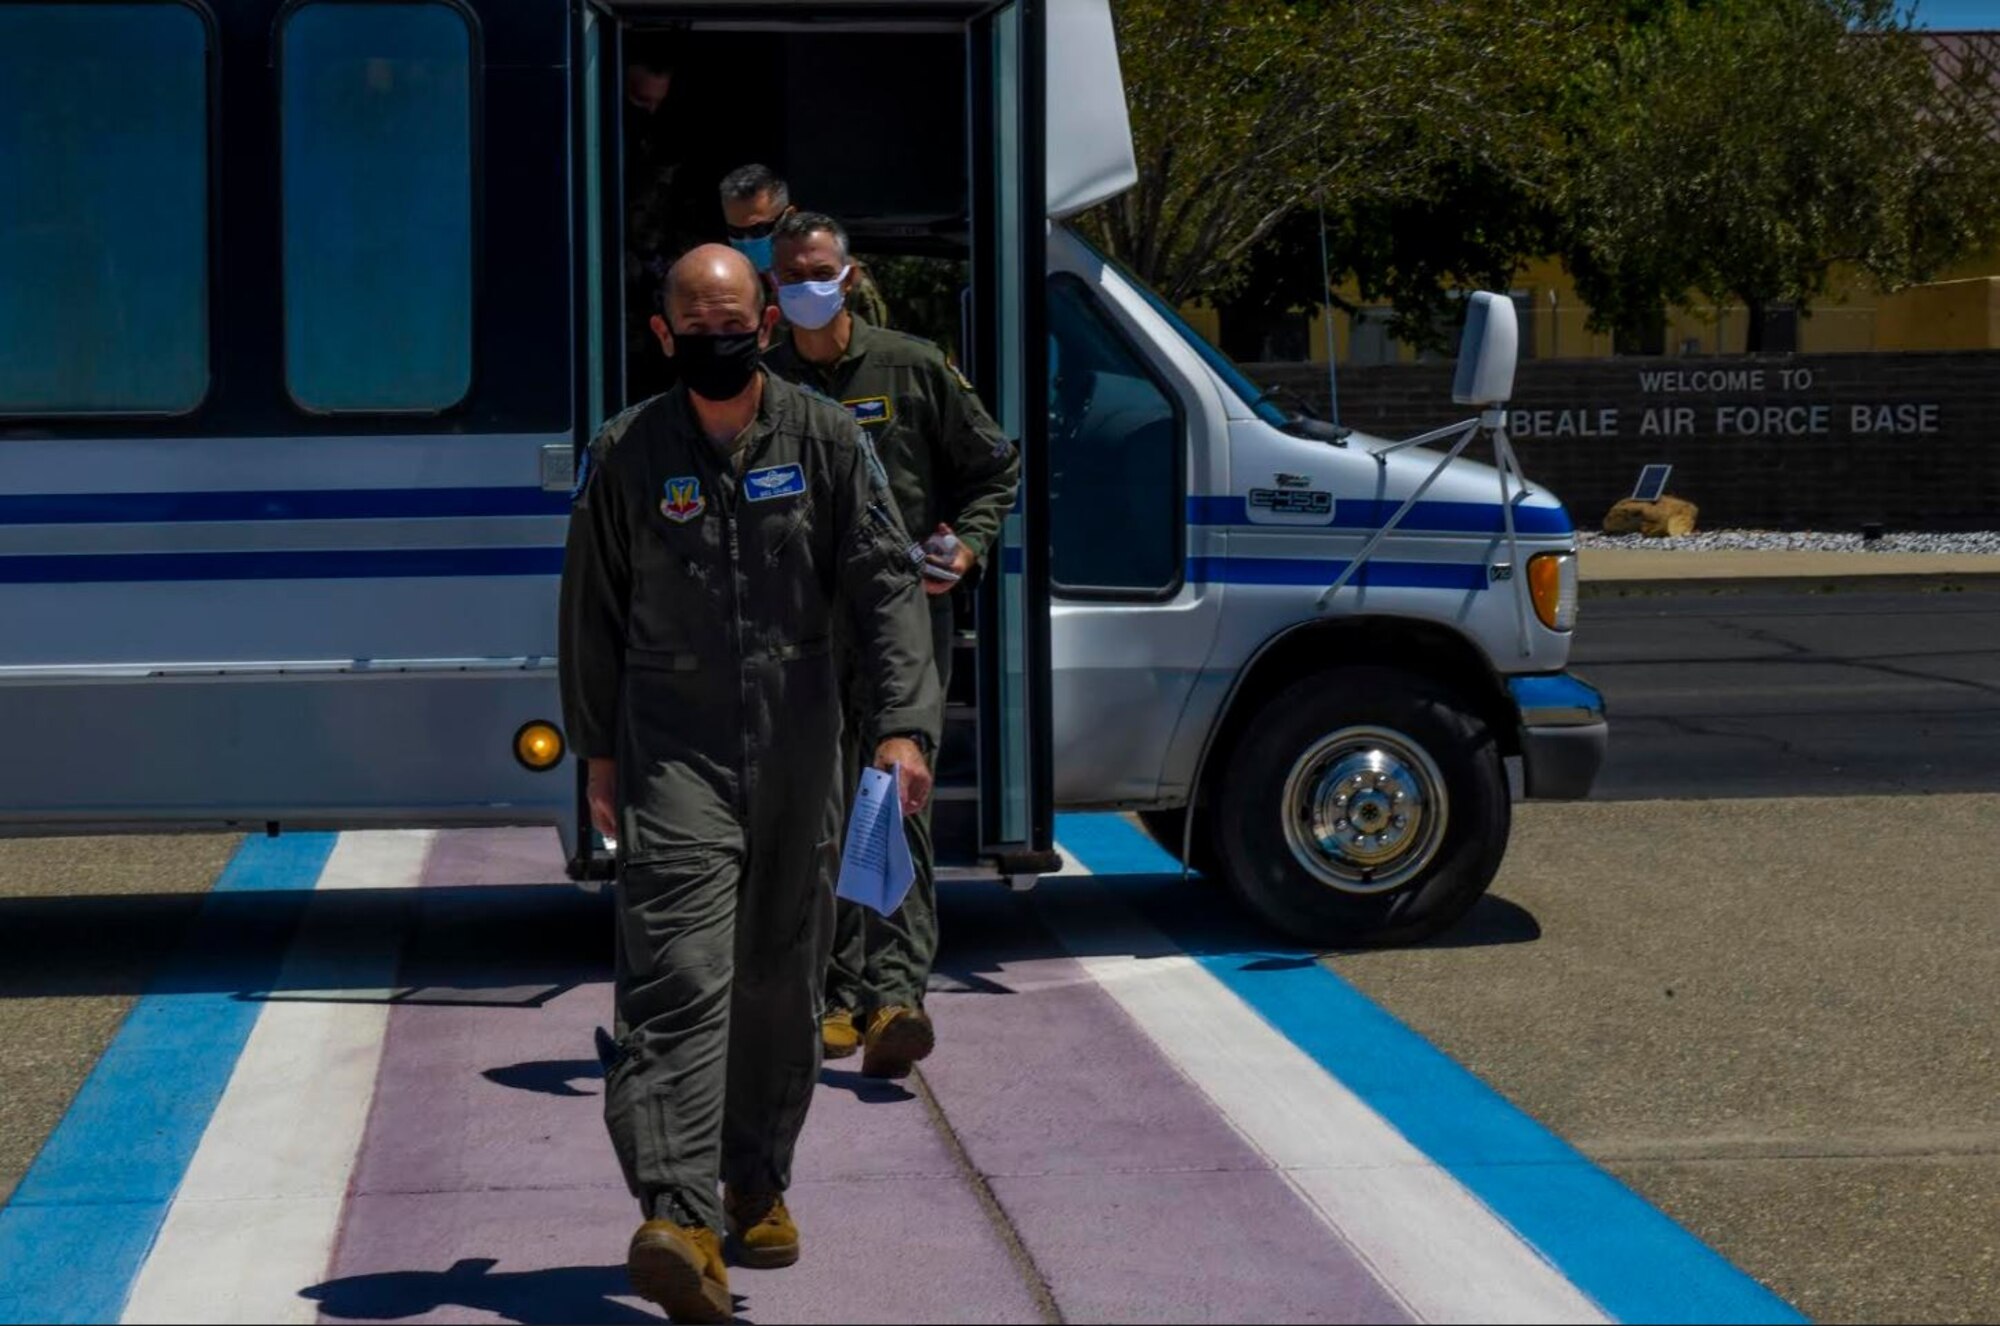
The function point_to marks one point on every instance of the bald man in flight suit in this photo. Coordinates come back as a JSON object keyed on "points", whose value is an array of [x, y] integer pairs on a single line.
{"points": [[716, 531]]}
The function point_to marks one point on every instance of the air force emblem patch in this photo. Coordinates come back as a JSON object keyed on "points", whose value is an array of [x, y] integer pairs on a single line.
{"points": [[773, 482], [683, 501]]}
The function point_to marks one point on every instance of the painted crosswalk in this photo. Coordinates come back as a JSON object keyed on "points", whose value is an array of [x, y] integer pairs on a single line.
{"points": [[1136, 1112]]}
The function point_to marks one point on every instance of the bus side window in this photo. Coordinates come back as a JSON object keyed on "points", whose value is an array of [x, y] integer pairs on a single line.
{"points": [[376, 107], [1117, 508], [104, 127]]}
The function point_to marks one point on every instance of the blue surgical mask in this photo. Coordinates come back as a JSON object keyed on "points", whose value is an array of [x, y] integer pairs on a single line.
{"points": [[813, 304], [758, 251]]}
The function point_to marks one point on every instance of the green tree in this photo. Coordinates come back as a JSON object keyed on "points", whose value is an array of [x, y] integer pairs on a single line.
{"points": [[1429, 132], [1750, 150]]}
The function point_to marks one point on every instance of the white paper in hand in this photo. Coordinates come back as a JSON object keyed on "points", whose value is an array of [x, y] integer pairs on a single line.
{"points": [[875, 866]]}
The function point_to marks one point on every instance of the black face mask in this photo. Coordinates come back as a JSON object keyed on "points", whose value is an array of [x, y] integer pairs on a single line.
{"points": [[716, 367]]}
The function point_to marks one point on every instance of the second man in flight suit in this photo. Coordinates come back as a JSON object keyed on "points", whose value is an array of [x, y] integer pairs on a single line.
{"points": [[717, 530], [953, 472]]}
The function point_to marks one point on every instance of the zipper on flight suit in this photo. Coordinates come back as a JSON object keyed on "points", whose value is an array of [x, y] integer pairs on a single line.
{"points": [[732, 491], [742, 661]]}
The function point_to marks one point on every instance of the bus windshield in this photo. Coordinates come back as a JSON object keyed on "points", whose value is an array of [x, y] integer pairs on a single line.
{"points": [[1225, 368]]}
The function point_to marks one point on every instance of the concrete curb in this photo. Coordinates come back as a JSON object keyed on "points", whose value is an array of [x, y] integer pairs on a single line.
{"points": [[1626, 572], [1941, 582]]}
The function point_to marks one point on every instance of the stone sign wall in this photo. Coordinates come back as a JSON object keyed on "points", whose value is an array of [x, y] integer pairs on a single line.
{"points": [[1780, 442]]}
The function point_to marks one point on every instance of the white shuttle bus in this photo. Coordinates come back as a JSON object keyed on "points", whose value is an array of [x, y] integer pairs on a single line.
{"points": [[306, 305]]}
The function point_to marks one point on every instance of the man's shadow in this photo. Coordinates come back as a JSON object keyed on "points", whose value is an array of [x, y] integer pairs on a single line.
{"points": [[549, 1077], [868, 1090], [554, 1297]]}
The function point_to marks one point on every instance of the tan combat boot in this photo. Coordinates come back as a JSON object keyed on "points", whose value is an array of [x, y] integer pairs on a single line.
{"points": [[898, 1037], [761, 1229], [838, 1036], [680, 1268]]}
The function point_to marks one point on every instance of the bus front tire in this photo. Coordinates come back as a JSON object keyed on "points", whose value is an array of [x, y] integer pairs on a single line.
{"points": [[1362, 806]]}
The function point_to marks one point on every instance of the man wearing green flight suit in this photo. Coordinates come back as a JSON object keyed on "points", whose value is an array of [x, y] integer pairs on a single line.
{"points": [[953, 473], [716, 531]]}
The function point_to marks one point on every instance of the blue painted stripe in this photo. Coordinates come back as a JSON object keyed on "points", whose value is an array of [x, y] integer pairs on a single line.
{"points": [[1429, 517], [79, 1226], [1623, 1252], [298, 504], [1377, 574], [328, 564]]}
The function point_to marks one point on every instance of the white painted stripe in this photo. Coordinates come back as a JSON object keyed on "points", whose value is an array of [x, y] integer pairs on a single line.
{"points": [[255, 1220], [1430, 1242]]}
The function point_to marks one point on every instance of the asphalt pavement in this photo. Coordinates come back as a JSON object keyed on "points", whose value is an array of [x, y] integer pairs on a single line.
{"points": [[1852, 693], [84, 923], [1773, 1018]]}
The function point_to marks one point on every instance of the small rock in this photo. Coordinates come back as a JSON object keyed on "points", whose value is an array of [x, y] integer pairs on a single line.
{"points": [[1668, 518]]}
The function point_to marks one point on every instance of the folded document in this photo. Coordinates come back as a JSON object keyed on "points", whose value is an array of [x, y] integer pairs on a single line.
{"points": [[875, 866]]}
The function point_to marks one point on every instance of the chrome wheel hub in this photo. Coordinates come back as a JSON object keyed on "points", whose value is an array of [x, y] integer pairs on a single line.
{"points": [[1364, 809]]}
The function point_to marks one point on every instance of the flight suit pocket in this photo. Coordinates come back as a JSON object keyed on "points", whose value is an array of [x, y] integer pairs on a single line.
{"points": [[784, 529], [816, 925], [661, 660], [636, 1115]]}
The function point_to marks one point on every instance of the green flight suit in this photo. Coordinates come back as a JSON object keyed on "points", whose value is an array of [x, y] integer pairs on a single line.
{"points": [[865, 301], [698, 599], [949, 462]]}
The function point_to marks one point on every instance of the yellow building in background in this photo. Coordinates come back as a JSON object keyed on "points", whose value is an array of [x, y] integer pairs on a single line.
{"points": [[1959, 312]]}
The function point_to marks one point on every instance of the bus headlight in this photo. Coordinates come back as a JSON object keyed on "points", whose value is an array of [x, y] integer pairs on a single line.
{"points": [[1552, 585], [538, 746]]}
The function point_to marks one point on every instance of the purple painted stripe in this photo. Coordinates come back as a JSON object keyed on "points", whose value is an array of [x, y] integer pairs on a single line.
{"points": [[1135, 1198], [486, 1185]]}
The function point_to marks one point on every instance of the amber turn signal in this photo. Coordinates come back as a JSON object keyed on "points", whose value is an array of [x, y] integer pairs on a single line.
{"points": [[1552, 585], [538, 746]]}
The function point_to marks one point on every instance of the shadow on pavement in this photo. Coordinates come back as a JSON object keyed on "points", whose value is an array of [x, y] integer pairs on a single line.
{"points": [[521, 944], [986, 929], [868, 1090], [550, 1297], [548, 1077]]}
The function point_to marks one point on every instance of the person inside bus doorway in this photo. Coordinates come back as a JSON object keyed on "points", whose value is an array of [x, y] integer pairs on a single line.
{"points": [[754, 201], [953, 473], [665, 215], [715, 533]]}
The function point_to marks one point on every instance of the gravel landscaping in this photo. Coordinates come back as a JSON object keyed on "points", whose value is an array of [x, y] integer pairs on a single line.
{"points": [[1759, 540]]}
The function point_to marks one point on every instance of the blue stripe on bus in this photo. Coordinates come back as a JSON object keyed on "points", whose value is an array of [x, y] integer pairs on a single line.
{"points": [[415, 563], [295, 504], [1377, 574], [1309, 571], [82, 1221], [332, 564], [1368, 514]]}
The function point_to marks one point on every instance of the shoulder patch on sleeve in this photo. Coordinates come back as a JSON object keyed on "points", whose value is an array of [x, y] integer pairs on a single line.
{"points": [[614, 428], [958, 376]]}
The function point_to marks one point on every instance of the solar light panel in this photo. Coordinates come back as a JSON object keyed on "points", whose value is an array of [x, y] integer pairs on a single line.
{"points": [[1652, 483]]}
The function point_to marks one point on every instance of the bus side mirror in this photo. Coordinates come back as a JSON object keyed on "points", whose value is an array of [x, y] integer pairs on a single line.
{"points": [[1486, 352]]}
